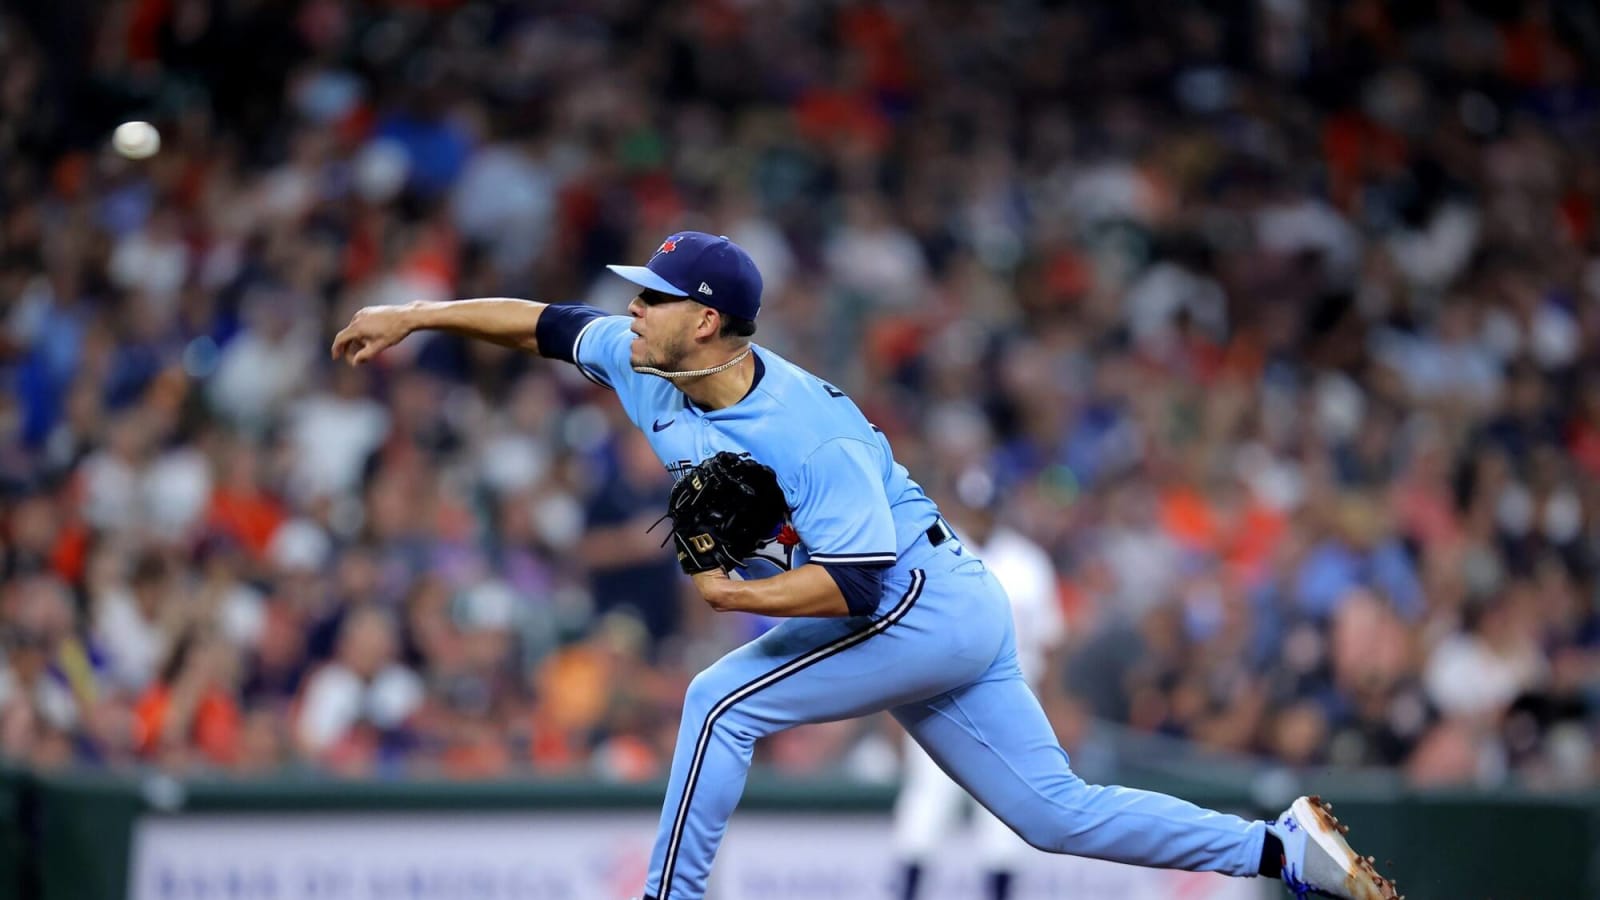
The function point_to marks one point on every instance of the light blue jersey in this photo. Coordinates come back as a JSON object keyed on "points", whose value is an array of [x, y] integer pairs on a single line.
{"points": [[850, 501], [938, 650]]}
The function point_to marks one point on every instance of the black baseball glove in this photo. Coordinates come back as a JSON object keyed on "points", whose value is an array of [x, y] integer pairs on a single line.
{"points": [[723, 510]]}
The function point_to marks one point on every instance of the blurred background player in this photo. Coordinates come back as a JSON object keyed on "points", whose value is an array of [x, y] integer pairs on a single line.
{"points": [[930, 804]]}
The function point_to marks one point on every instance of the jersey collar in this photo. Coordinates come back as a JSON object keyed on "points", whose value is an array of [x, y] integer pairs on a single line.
{"points": [[761, 370]]}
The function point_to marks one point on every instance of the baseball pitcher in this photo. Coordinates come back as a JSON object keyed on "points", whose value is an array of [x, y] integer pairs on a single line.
{"points": [[884, 607]]}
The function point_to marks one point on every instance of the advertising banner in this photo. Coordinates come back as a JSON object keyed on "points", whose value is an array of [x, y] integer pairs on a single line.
{"points": [[583, 856]]}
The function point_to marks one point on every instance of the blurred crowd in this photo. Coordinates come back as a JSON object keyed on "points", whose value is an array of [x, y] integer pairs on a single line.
{"points": [[1277, 323]]}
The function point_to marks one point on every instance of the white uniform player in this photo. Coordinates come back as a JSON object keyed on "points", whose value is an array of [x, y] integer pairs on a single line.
{"points": [[930, 804]]}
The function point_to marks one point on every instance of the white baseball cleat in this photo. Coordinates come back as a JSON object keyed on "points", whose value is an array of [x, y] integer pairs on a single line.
{"points": [[1317, 860]]}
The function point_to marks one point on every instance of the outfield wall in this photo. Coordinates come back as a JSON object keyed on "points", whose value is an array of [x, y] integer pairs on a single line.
{"points": [[85, 837]]}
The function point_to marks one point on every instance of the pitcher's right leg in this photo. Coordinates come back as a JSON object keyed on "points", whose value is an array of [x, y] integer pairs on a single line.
{"points": [[992, 737]]}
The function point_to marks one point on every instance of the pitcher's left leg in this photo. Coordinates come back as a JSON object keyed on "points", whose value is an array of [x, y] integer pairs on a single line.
{"points": [[805, 670]]}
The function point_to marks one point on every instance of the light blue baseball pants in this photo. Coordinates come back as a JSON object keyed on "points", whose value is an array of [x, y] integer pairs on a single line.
{"points": [[939, 654]]}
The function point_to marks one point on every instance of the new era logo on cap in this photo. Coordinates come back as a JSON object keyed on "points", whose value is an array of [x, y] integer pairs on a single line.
{"points": [[712, 269]]}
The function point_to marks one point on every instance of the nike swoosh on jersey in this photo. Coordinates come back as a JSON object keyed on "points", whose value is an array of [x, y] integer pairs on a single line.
{"points": [[658, 425]]}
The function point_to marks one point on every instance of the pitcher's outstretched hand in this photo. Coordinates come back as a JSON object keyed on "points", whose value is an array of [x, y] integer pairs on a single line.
{"points": [[372, 330]]}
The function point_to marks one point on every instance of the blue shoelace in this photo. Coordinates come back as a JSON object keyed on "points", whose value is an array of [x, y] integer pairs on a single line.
{"points": [[1292, 880]]}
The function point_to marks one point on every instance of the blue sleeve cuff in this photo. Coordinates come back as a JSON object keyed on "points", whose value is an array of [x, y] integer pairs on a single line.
{"points": [[861, 584], [557, 331]]}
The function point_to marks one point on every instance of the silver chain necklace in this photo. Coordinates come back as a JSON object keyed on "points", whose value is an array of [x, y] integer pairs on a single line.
{"points": [[695, 373]]}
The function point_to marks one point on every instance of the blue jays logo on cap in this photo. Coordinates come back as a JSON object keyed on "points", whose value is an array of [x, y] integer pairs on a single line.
{"points": [[705, 267]]}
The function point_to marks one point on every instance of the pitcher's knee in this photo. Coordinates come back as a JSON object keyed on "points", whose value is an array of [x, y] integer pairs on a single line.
{"points": [[1069, 812], [705, 692], [1055, 824], [711, 695], [716, 702]]}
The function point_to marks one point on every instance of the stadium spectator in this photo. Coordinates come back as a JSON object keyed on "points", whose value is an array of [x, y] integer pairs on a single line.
{"points": [[1277, 326]]}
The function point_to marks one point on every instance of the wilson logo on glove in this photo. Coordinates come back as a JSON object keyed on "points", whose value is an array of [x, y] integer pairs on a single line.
{"points": [[723, 510]]}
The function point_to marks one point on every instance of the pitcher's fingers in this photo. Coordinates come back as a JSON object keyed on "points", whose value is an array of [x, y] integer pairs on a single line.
{"points": [[366, 351], [340, 342], [349, 348]]}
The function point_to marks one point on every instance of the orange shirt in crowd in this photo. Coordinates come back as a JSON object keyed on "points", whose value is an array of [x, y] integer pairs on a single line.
{"points": [[1245, 543], [251, 518], [215, 730]]}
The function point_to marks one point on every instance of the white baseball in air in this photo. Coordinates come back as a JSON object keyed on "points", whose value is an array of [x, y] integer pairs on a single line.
{"points": [[136, 140]]}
